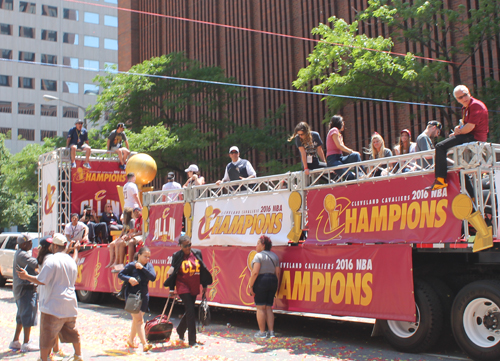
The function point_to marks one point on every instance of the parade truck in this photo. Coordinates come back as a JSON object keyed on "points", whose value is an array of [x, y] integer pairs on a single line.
{"points": [[424, 264]]}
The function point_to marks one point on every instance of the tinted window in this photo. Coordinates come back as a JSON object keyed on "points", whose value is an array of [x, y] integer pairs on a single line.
{"points": [[70, 112], [26, 83], [26, 134], [49, 11], [90, 89], [70, 87], [6, 53], [26, 56], [5, 107], [49, 59], [26, 7], [7, 4], [70, 14], [71, 62], [26, 108], [5, 29], [5, 80], [11, 243], [47, 134], [70, 38], [50, 85], [27, 32], [48, 110], [2, 239], [49, 35]]}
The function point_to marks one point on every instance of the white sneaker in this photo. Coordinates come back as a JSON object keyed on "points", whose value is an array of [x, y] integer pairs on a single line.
{"points": [[15, 345], [28, 347]]}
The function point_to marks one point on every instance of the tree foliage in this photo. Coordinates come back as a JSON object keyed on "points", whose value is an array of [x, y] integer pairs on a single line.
{"points": [[348, 63]]}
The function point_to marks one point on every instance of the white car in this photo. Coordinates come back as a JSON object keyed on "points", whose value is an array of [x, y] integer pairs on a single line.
{"points": [[8, 247]]}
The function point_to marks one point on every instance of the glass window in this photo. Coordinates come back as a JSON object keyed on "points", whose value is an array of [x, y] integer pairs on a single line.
{"points": [[111, 67], [26, 108], [7, 4], [47, 134], [92, 41], [48, 110], [5, 80], [70, 87], [70, 112], [49, 11], [111, 44], [49, 59], [91, 64], [49, 35], [8, 135], [71, 62], [111, 1], [26, 56], [26, 7], [26, 134], [70, 14], [90, 89], [70, 38], [111, 21], [5, 29], [92, 18], [26, 83], [5, 107], [50, 85], [27, 32], [6, 53]]}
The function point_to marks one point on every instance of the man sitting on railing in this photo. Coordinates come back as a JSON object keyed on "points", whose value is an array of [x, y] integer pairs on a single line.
{"points": [[424, 140], [473, 126], [237, 169], [78, 140], [115, 140]]}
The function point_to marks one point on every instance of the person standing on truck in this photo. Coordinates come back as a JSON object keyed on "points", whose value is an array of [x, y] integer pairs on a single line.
{"points": [[25, 295], [194, 177], [76, 230], [114, 144], [473, 127], [186, 274], [78, 140], [310, 147], [131, 193], [237, 169], [171, 184], [263, 285], [58, 304]]}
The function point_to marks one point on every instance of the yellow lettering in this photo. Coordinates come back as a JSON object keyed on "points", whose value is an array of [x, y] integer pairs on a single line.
{"points": [[353, 288], [278, 223], [301, 285], [225, 225], [248, 223], [441, 213], [237, 225], [328, 279], [404, 212], [286, 286], [394, 215], [350, 220], [427, 214], [268, 225], [258, 224], [363, 220], [337, 297], [379, 219], [367, 290], [318, 284], [413, 217], [217, 224]]}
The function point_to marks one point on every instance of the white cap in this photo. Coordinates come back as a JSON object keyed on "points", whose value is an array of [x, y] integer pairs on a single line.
{"points": [[234, 148], [59, 239], [192, 168]]}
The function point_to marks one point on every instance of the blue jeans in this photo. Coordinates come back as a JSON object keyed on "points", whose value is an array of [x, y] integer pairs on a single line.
{"points": [[338, 159]]}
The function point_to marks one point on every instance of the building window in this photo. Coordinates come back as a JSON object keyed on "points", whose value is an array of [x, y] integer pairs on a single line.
{"points": [[91, 65], [26, 83], [70, 112], [49, 59], [5, 29], [111, 44], [71, 62], [92, 41], [111, 1], [49, 35], [70, 14], [6, 53], [48, 110], [26, 32], [26, 108], [5, 80], [26, 7], [49, 11], [111, 67], [70, 38], [47, 134], [26, 134], [70, 87], [50, 85], [7, 4], [111, 21], [90, 89], [7, 132], [91, 18], [26, 56], [5, 107]]}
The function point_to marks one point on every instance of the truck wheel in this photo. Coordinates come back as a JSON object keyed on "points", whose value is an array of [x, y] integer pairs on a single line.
{"points": [[446, 297], [88, 296], [475, 320], [2, 281], [422, 334]]}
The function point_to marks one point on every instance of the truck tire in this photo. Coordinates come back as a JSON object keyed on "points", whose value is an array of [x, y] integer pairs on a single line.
{"points": [[446, 297], [88, 296], [475, 320], [417, 336], [2, 281]]}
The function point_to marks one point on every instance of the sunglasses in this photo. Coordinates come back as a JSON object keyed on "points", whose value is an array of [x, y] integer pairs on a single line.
{"points": [[462, 96], [233, 152], [187, 245], [300, 134]]}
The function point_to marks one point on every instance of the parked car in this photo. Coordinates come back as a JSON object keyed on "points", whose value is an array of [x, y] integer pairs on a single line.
{"points": [[8, 247]]}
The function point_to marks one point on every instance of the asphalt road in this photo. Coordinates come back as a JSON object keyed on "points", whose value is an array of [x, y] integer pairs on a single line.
{"points": [[104, 329]]}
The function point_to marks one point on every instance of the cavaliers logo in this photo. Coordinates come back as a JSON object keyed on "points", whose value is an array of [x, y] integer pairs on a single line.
{"points": [[49, 202], [100, 195], [165, 212], [78, 175], [328, 218], [244, 292], [204, 229]]}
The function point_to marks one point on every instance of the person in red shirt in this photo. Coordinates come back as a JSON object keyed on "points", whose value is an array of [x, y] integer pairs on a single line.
{"points": [[473, 127]]}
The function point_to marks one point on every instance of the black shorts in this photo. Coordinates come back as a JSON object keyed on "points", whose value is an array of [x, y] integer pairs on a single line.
{"points": [[265, 288]]}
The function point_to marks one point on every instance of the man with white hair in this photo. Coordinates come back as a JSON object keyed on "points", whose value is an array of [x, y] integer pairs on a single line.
{"points": [[473, 127]]}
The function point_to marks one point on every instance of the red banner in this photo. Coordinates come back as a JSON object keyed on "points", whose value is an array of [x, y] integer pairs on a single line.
{"points": [[96, 186], [165, 224], [333, 280], [397, 210]]}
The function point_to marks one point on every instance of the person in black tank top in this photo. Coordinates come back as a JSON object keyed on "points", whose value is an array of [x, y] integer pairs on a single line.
{"points": [[238, 169]]}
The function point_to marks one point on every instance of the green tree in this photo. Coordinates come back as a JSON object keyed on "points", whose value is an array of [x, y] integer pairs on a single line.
{"points": [[353, 64]]}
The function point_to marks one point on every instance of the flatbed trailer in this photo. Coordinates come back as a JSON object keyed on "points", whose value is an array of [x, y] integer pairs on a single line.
{"points": [[422, 263]]}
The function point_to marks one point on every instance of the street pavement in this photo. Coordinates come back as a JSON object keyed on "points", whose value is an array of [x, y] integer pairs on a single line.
{"points": [[104, 329]]}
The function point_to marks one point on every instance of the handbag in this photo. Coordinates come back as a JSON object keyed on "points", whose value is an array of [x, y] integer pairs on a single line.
{"points": [[121, 295], [134, 302], [204, 311]]}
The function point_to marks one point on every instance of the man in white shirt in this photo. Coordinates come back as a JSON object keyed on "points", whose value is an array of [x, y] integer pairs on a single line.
{"points": [[238, 169], [171, 184], [131, 193], [76, 230], [58, 304]]}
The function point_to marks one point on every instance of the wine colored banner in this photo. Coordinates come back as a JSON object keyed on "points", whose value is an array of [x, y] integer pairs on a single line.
{"points": [[334, 280], [165, 224], [49, 199], [96, 186], [398, 210]]}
